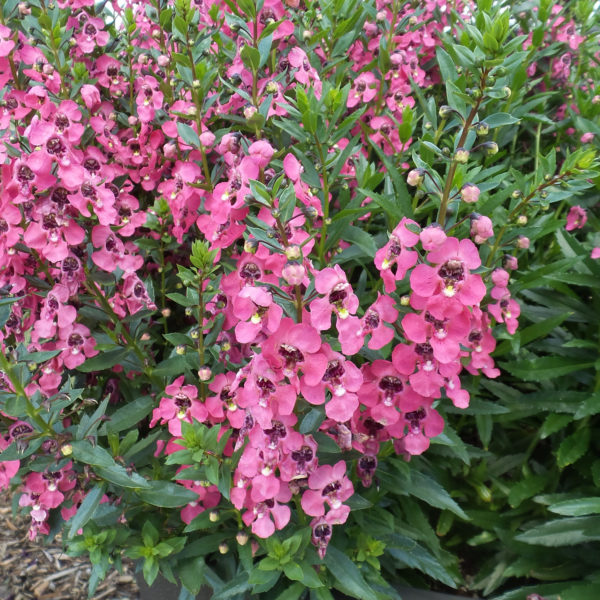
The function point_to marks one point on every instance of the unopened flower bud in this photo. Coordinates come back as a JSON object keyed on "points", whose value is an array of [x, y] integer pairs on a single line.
{"points": [[66, 449], [166, 312], [293, 252], [523, 242], [132, 120], [381, 15], [242, 538], [271, 87], [415, 177], [223, 548], [249, 112], [163, 60], [510, 262], [293, 273], [204, 373], [522, 220], [482, 128], [142, 59], [405, 300], [507, 91], [189, 311], [24, 9], [469, 193], [461, 155], [145, 336], [213, 517], [310, 212], [428, 125], [490, 148], [196, 84], [517, 194], [445, 111], [596, 99], [180, 350], [306, 34]]}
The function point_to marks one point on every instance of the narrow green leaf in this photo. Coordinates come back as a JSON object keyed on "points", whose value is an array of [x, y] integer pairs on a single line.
{"points": [[348, 577]]}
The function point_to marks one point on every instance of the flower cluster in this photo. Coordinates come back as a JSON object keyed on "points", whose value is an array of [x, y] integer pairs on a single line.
{"points": [[231, 274]]}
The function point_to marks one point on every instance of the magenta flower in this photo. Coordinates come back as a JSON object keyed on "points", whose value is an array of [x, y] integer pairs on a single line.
{"points": [[296, 346], [322, 527], [452, 277], [419, 425], [328, 485], [342, 379], [339, 298], [76, 344], [396, 254], [257, 312], [363, 90], [353, 330], [181, 404], [444, 335], [576, 218]]}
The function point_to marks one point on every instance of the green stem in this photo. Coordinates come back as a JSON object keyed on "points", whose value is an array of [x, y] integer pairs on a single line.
{"points": [[325, 203], [453, 165]]}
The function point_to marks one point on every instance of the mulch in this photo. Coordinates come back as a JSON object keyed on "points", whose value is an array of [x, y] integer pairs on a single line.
{"points": [[38, 571]]}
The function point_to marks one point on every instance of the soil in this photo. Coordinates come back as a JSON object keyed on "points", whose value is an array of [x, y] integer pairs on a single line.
{"points": [[42, 571]]}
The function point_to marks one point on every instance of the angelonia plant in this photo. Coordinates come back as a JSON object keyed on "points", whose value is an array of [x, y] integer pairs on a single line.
{"points": [[252, 252]]}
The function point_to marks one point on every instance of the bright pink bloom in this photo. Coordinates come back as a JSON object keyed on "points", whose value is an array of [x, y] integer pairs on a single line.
{"points": [[328, 484], [576, 218], [339, 297]]}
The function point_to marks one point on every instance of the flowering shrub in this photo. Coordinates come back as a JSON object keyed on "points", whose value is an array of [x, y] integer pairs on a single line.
{"points": [[244, 288]]}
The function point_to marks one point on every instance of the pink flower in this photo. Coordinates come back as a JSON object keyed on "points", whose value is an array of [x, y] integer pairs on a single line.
{"points": [[452, 277], [257, 311], [353, 330], [261, 151], [595, 252], [182, 404], [76, 344], [396, 254], [587, 137], [296, 346], [328, 484], [576, 218], [342, 379], [339, 297], [363, 90], [322, 527]]}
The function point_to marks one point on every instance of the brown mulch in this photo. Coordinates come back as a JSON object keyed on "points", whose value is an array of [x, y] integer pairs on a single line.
{"points": [[39, 571]]}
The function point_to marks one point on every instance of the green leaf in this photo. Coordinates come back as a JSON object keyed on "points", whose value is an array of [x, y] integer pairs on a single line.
{"points": [[577, 508], [572, 448], [360, 238], [548, 367], [291, 593], [104, 360], [349, 579], [167, 494], [129, 415], [433, 493], [293, 571], [500, 119], [87, 509], [150, 570], [526, 488], [188, 135], [447, 68], [191, 573], [563, 532], [554, 422], [311, 421]]}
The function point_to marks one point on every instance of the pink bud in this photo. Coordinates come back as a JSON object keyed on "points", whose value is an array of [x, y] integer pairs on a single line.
{"points": [[293, 273], [510, 262], [207, 138], [415, 177], [523, 242], [500, 277], [595, 252], [469, 193], [481, 229], [170, 150], [132, 120], [432, 237], [163, 60]]}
